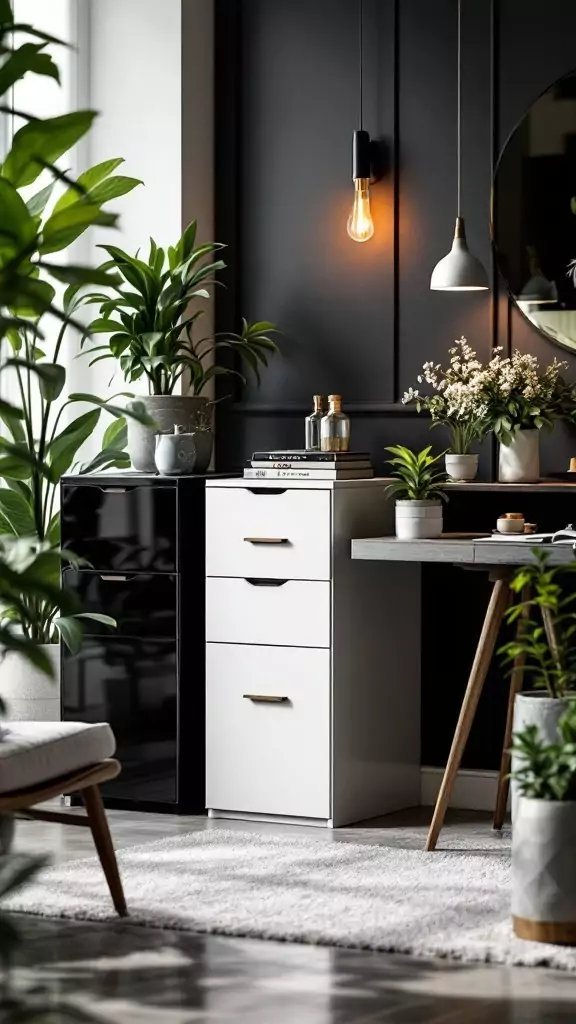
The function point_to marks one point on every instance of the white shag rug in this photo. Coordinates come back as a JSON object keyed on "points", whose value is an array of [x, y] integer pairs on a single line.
{"points": [[453, 905]]}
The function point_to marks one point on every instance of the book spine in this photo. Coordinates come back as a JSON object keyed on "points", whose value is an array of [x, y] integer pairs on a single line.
{"points": [[324, 467], [311, 456], [306, 474]]}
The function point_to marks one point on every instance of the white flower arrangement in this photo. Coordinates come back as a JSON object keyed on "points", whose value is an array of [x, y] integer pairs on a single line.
{"points": [[506, 395]]}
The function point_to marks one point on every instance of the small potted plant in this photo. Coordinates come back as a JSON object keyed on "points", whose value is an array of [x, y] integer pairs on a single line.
{"points": [[418, 494], [544, 834], [454, 403], [154, 321], [520, 399], [546, 645]]}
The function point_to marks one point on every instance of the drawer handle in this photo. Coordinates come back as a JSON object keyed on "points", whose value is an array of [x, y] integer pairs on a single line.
{"points": [[264, 582], [266, 540], [262, 698], [266, 490], [119, 579]]}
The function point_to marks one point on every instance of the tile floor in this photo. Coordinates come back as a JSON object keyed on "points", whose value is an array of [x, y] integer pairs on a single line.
{"points": [[121, 973]]}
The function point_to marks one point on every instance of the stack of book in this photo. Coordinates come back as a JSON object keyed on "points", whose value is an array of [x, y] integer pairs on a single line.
{"points": [[308, 464]]}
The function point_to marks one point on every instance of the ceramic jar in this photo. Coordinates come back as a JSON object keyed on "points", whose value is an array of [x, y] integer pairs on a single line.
{"points": [[519, 461], [175, 453], [166, 410], [544, 871]]}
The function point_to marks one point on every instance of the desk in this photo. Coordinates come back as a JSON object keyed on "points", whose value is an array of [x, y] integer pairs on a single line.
{"points": [[498, 558]]}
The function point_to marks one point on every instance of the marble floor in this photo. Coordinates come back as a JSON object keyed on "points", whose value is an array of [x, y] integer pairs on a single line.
{"points": [[120, 973]]}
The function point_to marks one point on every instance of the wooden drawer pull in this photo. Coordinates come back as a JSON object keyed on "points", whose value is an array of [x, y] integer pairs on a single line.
{"points": [[266, 540], [261, 698]]}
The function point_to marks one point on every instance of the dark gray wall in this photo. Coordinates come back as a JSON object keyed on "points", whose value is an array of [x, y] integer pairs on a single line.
{"points": [[360, 319]]}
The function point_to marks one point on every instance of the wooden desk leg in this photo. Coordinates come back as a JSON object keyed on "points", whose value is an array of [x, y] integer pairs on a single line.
{"points": [[484, 651], [516, 681]]}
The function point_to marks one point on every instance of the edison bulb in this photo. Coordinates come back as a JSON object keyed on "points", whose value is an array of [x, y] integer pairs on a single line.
{"points": [[360, 224]]}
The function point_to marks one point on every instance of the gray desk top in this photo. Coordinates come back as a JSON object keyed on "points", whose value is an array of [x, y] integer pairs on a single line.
{"points": [[457, 552]]}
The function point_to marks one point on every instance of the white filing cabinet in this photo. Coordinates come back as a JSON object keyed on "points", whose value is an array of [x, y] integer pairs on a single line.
{"points": [[312, 660]]}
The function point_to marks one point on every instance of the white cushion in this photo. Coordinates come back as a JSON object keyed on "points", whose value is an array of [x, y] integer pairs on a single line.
{"points": [[34, 753]]}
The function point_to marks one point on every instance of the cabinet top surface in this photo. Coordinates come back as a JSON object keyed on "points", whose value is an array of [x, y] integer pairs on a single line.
{"points": [[130, 478]]}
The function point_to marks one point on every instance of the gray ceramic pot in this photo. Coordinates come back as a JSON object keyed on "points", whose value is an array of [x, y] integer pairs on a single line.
{"points": [[167, 410], [544, 871], [203, 439], [542, 711]]}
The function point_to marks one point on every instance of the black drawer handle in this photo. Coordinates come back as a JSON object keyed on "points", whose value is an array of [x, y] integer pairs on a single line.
{"points": [[262, 698], [264, 582], [267, 490]]}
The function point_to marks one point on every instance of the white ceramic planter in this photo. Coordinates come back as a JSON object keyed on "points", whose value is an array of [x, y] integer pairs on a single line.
{"points": [[544, 871], [519, 462], [461, 467], [30, 696], [416, 520], [542, 711]]}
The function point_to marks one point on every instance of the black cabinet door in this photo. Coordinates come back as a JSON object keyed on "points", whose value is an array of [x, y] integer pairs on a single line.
{"points": [[131, 684], [143, 604], [131, 528]]}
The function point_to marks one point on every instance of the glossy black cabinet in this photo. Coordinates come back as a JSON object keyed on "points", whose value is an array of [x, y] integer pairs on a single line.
{"points": [[143, 541]]}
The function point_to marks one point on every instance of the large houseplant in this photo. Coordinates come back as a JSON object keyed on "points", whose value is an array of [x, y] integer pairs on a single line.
{"points": [[153, 317], [455, 404], [545, 646], [418, 493], [32, 229], [544, 834]]}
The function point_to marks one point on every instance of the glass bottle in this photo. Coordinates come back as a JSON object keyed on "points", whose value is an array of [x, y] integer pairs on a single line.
{"points": [[313, 423], [335, 427]]}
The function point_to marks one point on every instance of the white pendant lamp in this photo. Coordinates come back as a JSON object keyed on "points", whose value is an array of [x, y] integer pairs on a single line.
{"points": [[459, 271]]}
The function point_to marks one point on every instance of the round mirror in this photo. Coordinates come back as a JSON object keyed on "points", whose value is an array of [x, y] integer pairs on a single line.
{"points": [[534, 213]]}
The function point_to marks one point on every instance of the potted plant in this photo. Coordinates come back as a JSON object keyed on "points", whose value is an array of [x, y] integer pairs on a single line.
{"points": [[454, 403], [520, 399], [544, 834], [418, 494], [545, 644], [37, 448], [152, 318]]}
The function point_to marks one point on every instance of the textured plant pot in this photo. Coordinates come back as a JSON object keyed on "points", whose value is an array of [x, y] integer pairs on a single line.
{"points": [[168, 411], [542, 711], [544, 871], [30, 696], [175, 454], [416, 520], [519, 461], [203, 439], [461, 467]]}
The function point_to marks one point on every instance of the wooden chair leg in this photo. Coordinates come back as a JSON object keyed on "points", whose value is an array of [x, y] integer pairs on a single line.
{"points": [[104, 846], [516, 683], [482, 659]]}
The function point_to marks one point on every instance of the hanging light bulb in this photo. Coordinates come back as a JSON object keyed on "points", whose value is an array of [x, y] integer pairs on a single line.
{"points": [[360, 224], [459, 271]]}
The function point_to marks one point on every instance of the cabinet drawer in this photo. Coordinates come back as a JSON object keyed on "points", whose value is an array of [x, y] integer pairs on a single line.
{"points": [[131, 684], [130, 528], [268, 757], [268, 532], [143, 605], [274, 612]]}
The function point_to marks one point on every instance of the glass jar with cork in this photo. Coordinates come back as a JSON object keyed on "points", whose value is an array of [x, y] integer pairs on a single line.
{"points": [[335, 427]]}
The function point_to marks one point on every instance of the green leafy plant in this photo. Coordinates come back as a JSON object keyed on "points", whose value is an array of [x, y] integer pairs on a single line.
{"points": [[546, 639], [39, 448], [417, 479], [153, 314], [547, 771]]}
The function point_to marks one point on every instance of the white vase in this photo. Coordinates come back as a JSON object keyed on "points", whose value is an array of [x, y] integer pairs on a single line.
{"points": [[416, 520], [29, 695], [519, 461], [544, 871], [542, 711], [461, 467]]}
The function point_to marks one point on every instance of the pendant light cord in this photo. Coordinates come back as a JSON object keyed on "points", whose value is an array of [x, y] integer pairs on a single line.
{"points": [[459, 142], [361, 41]]}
